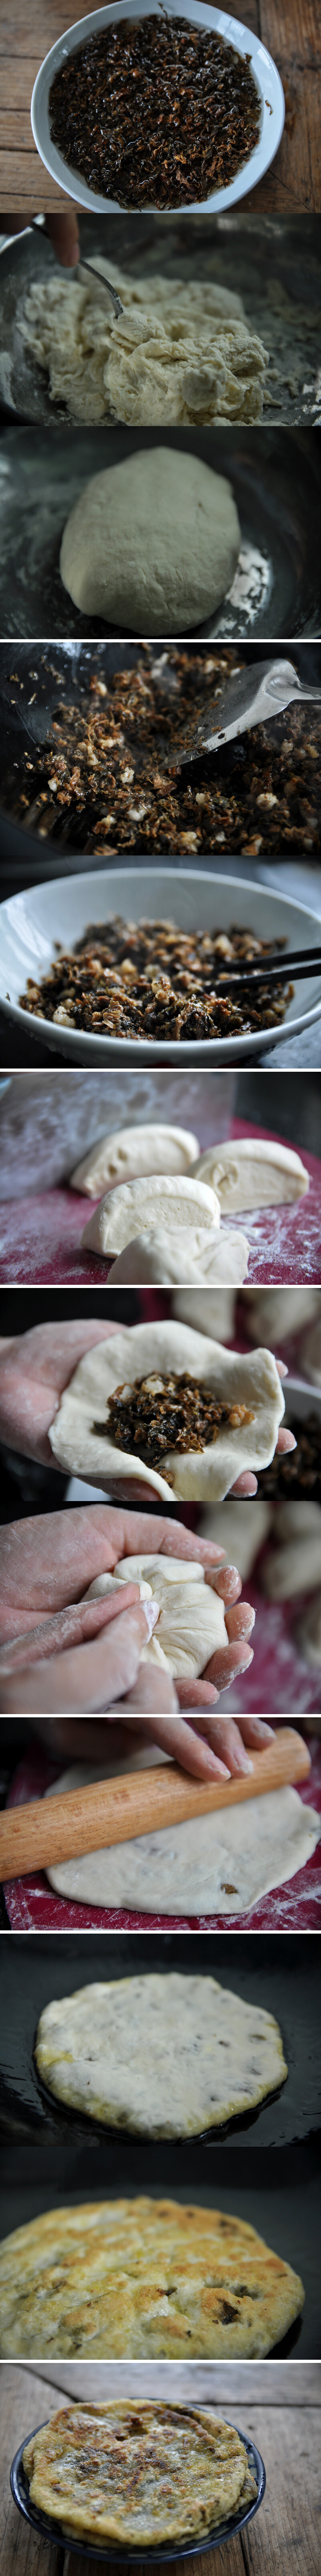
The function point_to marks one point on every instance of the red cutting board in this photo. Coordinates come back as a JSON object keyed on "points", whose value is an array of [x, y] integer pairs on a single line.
{"points": [[33, 1906], [40, 1235]]}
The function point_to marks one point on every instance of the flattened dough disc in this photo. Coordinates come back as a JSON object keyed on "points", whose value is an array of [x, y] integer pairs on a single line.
{"points": [[217, 1864], [164, 2055]]}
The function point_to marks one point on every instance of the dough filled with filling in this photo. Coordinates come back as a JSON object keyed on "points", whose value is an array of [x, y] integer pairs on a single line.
{"points": [[168, 1258], [172, 1405], [138, 2472], [219, 1864], [152, 544], [191, 1624], [140, 2276]]}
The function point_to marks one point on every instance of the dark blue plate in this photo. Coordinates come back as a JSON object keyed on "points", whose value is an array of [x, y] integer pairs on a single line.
{"points": [[54, 2531]]}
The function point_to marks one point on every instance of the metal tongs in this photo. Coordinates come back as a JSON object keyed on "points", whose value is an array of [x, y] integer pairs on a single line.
{"points": [[252, 697]]}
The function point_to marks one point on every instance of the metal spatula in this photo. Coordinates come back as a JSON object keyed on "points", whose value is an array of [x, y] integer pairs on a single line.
{"points": [[252, 697]]}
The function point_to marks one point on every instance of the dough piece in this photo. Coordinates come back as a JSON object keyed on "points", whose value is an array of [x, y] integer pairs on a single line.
{"points": [[161, 372], [214, 1315], [191, 1624], [122, 1155], [182, 2472], [277, 1313], [158, 1202], [178, 352], [160, 1349], [295, 1566], [168, 1258], [139, 2277], [310, 1354], [167, 2056], [308, 1634], [252, 1173], [216, 1864], [243, 1527], [152, 544]]}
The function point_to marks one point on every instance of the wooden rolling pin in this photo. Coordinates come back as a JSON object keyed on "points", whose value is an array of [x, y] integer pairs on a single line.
{"points": [[113, 1811]]}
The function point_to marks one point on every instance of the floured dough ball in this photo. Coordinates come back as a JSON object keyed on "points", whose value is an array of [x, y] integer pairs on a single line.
{"points": [[241, 1529], [128, 1151], [129, 1387], [221, 1863], [252, 1173], [276, 1314], [308, 1634], [191, 1623], [107, 2049], [294, 1564], [152, 544], [164, 1202], [310, 1354], [213, 1314], [166, 1259]]}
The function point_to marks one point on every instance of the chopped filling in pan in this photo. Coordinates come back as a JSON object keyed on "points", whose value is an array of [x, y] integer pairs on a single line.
{"points": [[150, 980], [157, 1414], [155, 112], [110, 779]]}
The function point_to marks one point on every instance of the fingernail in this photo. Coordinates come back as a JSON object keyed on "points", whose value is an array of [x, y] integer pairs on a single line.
{"points": [[151, 1611], [243, 1763], [265, 1730]]}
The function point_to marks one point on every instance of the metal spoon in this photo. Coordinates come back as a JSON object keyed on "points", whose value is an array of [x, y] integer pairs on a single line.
{"points": [[85, 265], [252, 697]]}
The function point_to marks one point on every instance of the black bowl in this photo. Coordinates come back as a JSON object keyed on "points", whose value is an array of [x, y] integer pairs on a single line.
{"points": [[54, 2531]]}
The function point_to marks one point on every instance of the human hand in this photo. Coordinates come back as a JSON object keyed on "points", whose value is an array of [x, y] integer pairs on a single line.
{"points": [[47, 1564], [35, 1367]]}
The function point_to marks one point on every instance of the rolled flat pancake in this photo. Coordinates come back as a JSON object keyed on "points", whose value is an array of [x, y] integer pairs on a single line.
{"points": [[127, 1151], [252, 1173], [217, 1864], [153, 543], [191, 1624], [161, 1201], [138, 2473], [163, 1349], [168, 2056], [133, 2277]]}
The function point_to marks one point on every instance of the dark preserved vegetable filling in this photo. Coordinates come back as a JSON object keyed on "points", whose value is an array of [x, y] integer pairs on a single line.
{"points": [[155, 112], [300, 1471], [149, 980], [158, 1414]]}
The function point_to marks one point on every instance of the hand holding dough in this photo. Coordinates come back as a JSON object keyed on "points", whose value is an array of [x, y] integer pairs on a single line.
{"points": [[191, 1623], [128, 1151], [162, 1349], [152, 544], [158, 1202], [252, 1173]]}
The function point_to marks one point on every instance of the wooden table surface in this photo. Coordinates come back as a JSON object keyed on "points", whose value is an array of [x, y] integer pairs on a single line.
{"points": [[291, 30], [277, 2403]]}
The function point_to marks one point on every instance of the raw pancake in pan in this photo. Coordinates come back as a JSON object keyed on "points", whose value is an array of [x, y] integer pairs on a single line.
{"points": [[213, 1864], [138, 2474], [164, 1351], [133, 2277], [166, 2055]]}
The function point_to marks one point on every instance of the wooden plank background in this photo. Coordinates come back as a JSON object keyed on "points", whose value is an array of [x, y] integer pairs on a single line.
{"points": [[291, 30], [279, 2405]]}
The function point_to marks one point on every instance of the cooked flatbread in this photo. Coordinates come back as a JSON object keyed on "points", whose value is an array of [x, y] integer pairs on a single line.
{"points": [[162, 1349], [138, 2277], [138, 2474], [166, 2055]]}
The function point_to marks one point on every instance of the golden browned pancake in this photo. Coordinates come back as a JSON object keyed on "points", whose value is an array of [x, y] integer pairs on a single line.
{"points": [[140, 2277], [138, 2473]]}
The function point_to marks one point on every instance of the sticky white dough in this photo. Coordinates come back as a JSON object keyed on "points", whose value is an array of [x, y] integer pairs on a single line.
{"points": [[252, 1173], [152, 544], [161, 1201], [127, 1151], [191, 1624]]}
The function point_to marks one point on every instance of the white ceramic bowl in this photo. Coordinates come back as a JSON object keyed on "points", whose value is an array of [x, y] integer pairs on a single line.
{"points": [[32, 923], [266, 77], [301, 1398]]}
